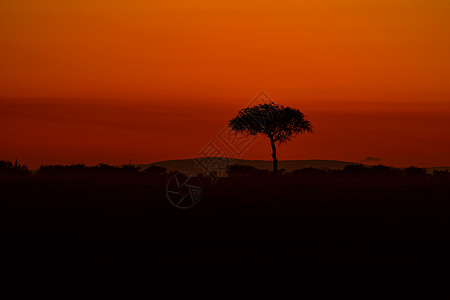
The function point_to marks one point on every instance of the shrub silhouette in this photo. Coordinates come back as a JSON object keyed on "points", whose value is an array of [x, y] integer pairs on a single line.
{"points": [[382, 170], [75, 169], [81, 169], [155, 171], [130, 169], [8, 168], [305, 172], [238, 170], [355, 169], [441, 174], [415, 172]]}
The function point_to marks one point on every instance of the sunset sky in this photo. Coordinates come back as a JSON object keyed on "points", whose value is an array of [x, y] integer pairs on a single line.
{"points": [[89, 81]]}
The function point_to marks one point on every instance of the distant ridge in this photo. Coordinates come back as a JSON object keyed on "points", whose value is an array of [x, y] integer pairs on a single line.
{"points": [[431, 169], [192, 166]]}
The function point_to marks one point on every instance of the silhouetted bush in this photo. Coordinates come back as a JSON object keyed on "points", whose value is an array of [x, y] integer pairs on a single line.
{"points": [[105, 168], [352, 170], [382, 170], [62, 170], [415, 172], [356, 169], [237, 170], [8, 168], [81, 169], [441, 174], [130, 169], [306, 172], [372, 171], [155, 171]]}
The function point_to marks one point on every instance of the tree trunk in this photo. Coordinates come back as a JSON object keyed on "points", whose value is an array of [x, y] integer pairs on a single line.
{"points": [[274, 154]]}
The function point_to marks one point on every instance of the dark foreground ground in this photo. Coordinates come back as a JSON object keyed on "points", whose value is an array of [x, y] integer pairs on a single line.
{"points": [[281, 238]]}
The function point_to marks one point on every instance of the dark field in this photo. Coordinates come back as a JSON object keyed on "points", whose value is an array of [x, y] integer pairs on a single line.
{"points": [[117, 236]]}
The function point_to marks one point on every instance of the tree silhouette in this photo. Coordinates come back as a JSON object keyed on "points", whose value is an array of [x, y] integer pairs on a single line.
{"points": [[277, 122]]}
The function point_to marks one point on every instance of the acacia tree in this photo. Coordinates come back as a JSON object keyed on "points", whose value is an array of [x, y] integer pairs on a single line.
{"points": [[277, 122]]}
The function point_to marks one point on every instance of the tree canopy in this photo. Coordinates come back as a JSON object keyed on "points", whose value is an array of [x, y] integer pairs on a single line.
{"points": [[279, 122]]}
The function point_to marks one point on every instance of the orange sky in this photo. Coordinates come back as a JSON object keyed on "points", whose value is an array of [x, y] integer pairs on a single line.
{"points": [[109, 80]]}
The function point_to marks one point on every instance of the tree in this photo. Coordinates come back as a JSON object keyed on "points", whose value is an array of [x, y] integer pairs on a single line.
{"points": [[277, 122]]}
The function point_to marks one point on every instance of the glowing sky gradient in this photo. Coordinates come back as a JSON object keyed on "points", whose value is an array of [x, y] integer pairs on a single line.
{"points": [[105, 80]]}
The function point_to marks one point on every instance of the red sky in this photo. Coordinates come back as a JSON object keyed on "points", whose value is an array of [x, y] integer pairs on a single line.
{"points": [[107, 80]]}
